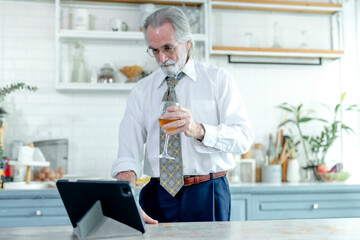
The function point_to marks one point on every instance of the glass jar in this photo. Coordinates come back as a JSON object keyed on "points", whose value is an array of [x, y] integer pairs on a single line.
{"points": [[107, 74], [259, 156]]}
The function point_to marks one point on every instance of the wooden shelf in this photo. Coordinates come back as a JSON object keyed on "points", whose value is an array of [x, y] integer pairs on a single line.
{"points": [[279, 6], [276, 52]]}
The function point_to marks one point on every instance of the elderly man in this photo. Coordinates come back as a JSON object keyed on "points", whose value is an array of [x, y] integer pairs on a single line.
{"points": [[212, 125]]}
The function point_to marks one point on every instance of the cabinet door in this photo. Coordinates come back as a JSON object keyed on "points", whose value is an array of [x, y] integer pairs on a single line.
{"points": [[239, 204], [306, 205]]}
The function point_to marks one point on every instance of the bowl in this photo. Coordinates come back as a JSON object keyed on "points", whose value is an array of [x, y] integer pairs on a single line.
{"points": [[331, 176]]}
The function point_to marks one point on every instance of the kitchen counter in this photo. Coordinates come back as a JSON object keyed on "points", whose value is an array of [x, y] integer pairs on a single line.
{"points": [[276, 229], [256, 186], [257, 201]]}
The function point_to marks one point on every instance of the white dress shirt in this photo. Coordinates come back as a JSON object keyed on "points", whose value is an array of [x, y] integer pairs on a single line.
{"points": [[213, 99]]}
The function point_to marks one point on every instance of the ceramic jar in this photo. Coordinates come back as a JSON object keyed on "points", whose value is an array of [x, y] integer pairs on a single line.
{"points": [[293, 171]]}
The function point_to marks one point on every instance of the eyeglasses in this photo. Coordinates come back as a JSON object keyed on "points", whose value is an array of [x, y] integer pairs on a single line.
{"points": [[167, 49]]}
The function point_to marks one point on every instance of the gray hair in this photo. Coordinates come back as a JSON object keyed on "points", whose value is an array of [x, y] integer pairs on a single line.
{"points": [[177, 18]]}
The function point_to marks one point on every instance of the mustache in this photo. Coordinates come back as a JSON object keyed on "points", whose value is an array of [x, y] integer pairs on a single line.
{"points": [[168, 62]]}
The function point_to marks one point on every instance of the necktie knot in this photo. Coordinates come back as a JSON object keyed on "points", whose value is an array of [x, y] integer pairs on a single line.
{"points": [[171, 82]]}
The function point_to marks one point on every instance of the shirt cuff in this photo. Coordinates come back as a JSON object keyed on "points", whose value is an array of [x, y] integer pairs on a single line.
{"points": [[209, 141], [210, 136]]}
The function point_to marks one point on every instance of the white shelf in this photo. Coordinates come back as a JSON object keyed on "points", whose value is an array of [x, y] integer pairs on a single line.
{"points": [[95, 86], [101, 35], [109, 35], [32, 163], [103, 39], [163, 2]]}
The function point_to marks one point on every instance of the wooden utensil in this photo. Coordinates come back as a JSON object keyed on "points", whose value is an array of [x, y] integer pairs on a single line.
{"points": [[281, 137], [288, 153], [283, 152]]}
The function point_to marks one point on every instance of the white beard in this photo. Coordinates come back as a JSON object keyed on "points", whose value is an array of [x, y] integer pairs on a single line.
{"points": [[176, 67]]}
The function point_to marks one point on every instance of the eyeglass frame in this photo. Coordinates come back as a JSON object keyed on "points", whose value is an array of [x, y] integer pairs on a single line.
{"points": [[162, 49]]}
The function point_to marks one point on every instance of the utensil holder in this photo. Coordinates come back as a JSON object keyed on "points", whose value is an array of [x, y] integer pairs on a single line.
{"points": [[271, 173]]}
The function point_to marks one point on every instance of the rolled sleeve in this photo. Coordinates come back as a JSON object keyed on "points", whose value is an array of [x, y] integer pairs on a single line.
{"points": [[123, 164], [230, 130]]}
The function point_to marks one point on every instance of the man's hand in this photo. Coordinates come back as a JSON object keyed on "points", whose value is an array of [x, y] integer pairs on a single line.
{"points": [[130, 176], [146, 217], [185, 124]]}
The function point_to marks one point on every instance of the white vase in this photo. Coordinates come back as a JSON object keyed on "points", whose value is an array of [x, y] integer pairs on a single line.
{"points": [[293, 171]]}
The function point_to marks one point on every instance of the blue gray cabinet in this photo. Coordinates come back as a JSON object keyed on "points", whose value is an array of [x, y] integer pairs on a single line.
{"points": [[32, 208], [295, 201], [248, 202]]}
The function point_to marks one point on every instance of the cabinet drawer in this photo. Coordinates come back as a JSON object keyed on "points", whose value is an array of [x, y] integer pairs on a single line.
{"points": [[32, 212], [291, 206]]}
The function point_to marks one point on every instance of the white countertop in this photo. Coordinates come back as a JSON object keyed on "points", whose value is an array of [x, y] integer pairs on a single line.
{"points": [[342, 229]]}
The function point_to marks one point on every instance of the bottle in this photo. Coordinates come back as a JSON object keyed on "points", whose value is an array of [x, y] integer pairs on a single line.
{"points": [[259, 156], [79, 70]]}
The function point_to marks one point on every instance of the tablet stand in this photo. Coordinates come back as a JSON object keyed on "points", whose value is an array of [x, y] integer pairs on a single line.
{"points": [[94, 225]]}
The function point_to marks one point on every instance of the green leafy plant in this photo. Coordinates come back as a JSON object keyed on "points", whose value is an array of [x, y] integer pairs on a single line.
{"points": [[4, 91], [298, 116], [320, 144]]}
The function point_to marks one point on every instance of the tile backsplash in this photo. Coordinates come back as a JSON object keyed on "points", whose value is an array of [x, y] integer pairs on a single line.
{"points": [[90, 120]]}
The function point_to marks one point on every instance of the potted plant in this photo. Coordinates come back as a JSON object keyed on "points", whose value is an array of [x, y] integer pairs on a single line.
{"points": [[4, 91], [319, 144], [299, 116]]}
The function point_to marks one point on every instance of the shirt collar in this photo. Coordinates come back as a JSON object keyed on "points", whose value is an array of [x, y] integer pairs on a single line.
{"points": [[189, 70]]}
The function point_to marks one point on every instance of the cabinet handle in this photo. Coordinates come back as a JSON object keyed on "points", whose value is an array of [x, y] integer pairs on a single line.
{"points": [[315, 206], [38, 213]]}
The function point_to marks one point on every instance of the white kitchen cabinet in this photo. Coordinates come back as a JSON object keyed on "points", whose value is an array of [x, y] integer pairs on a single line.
{"points": [[121, 48], [276, 29]]}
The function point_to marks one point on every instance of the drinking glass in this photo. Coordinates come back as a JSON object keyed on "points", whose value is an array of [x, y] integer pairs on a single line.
{"points": [[162, 121]]}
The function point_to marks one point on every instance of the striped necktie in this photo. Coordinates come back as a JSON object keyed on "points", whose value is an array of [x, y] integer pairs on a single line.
{"points": [[171, 170]]}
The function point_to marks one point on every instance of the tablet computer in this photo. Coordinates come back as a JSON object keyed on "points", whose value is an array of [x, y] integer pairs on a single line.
{"points": [[116, 197]]}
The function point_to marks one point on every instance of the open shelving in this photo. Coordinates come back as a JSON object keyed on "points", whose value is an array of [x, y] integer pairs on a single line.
{"points": [[65, 38], [333, 10]]}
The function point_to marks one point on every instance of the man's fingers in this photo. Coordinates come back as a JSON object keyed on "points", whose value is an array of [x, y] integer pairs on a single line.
{"points": [[147, 219]]}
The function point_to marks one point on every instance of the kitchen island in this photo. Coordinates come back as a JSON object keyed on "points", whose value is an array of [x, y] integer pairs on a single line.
{"points": [[341, 229]]}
